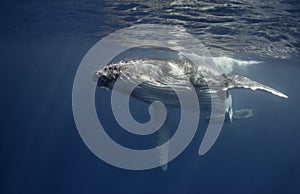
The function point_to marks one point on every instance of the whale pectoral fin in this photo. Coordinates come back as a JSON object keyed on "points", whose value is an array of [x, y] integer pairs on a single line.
{"points": [[163, 135], [238, 81], [217, 119]]}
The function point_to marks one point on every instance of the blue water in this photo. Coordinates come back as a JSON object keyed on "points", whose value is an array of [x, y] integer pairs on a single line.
{"points": [[42, 45]]}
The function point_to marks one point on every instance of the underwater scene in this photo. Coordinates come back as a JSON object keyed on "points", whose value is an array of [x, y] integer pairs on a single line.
{"points": [[151, 97]]}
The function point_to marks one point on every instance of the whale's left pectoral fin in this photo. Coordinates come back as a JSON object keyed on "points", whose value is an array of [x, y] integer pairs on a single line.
{"points": [[238, 81], [163, 135]]}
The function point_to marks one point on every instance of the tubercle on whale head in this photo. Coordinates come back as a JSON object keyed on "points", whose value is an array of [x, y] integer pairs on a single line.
{"points": [[106, 76]]}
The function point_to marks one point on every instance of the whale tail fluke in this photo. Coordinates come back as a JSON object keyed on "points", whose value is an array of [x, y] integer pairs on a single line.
{"points": [[243, 114], [236, 115]]}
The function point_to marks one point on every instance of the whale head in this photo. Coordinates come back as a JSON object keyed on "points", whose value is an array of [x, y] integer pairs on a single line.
{"points": [[107, 76]]}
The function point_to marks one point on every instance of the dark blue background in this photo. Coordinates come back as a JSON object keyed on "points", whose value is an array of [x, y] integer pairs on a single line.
{"points": [[43, 43]]}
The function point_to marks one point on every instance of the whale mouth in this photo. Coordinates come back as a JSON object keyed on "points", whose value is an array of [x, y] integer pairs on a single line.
{"points": [[105, 82]]}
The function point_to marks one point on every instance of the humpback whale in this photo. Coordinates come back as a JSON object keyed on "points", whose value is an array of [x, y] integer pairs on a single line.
{"points": [[157, 75]]}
